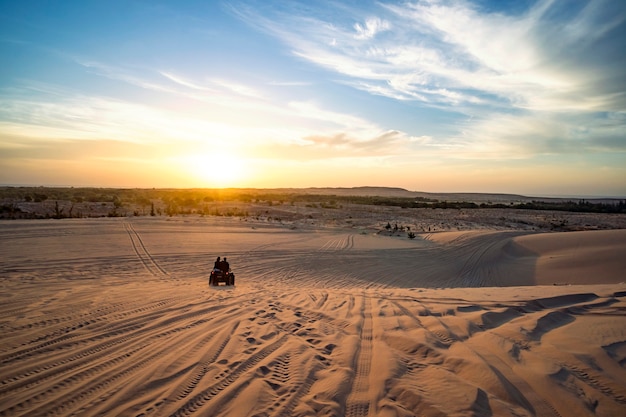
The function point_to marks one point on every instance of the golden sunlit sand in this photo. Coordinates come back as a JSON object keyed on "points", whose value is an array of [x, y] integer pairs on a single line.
{"points": [[115, 317]]}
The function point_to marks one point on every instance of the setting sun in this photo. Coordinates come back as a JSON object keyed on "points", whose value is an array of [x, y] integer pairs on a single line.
{"points": [[220, 169]]}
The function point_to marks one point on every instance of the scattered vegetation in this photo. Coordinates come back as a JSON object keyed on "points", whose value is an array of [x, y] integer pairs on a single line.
{"points": [[27, 202]]}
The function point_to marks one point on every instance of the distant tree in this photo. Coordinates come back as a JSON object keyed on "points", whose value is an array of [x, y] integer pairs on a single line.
{"points": [[58, 212]]}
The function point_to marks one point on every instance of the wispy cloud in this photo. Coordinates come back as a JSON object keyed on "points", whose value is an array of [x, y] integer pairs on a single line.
{"points": [[451, 52], [290, 83], [183, 82], [134, 77], [303, 130], [505, 72], [370, 28], [238, 88], [523, 136], [345, 146], [221, 107], [171, 82]]}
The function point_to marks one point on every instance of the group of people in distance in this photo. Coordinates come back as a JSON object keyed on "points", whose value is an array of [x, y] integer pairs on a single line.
{"points": [[222, 265]]}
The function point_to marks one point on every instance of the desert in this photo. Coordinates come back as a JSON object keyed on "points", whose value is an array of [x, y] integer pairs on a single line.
{"points": [[422, 205], [481, 313]]}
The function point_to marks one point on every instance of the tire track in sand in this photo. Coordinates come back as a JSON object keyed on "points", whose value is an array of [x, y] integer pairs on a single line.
{"points": [[201, 368], [305, 382], [70, 371], [142, 253], [102, 380], [197, 402], [358, 401]]}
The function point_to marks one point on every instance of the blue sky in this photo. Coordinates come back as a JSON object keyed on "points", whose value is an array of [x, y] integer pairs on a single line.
{"points": [[486, 96]]}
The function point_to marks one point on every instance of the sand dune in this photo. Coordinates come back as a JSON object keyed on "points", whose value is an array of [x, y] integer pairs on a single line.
{"points": [[574, 257], [115, 317]]}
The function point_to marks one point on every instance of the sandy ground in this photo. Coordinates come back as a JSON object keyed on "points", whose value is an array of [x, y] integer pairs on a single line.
{"points": [[115, 317]]}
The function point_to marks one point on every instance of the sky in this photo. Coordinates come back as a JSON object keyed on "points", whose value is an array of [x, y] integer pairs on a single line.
{"points": [[511, 96]]}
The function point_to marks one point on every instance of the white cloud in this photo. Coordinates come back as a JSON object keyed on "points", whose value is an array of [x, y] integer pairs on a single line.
{"points": [[371, 28], [525, 81], [451, 52]]}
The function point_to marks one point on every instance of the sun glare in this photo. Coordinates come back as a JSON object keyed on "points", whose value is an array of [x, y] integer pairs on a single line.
{"points": [[220, 169]]}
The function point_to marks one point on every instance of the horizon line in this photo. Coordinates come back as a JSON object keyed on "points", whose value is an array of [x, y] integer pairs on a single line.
{"points": [[557, 196]]}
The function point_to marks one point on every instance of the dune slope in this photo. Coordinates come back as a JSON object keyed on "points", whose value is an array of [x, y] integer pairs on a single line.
{"points": [[115, 317]]}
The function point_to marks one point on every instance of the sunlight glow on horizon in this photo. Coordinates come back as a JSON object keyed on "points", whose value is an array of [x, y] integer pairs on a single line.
{"points": [[216, 170]]}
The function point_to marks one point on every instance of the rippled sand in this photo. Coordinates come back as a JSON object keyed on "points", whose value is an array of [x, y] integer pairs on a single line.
{"points": [[115, 317]]}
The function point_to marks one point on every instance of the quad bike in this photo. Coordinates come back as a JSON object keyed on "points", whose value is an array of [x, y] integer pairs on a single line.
{"points": [[217, 276]]}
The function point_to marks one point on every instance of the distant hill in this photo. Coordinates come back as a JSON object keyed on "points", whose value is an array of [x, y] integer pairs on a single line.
{"points": [[362, 191], [493, 198], [368, 191], [359, 191]]}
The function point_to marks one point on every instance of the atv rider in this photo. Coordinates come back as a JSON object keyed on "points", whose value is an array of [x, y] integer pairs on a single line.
{"points": [[224, 266], [217, 264]]}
